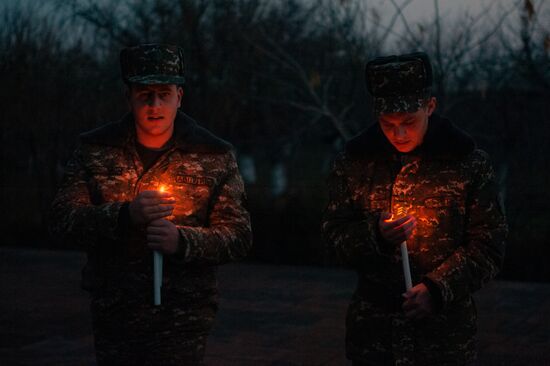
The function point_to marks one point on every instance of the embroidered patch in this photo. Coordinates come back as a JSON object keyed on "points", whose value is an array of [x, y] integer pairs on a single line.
{"points": [[194, 180]]}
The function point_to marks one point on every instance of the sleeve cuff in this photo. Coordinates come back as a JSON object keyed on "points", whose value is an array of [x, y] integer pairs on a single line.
{"points": [[435, 293], [124, 223]]}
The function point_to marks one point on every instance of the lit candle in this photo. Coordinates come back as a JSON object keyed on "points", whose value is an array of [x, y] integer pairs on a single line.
{"points": [[401, 212], [157, 269]]}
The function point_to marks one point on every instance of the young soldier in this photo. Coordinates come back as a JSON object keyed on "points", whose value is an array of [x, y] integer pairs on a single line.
{"points": [[450, 218], [111, 203]]}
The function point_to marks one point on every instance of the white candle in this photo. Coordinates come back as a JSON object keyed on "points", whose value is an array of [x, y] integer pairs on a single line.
{"points": [[406, 266], [157, 268], [401, 211], [157, 276]]}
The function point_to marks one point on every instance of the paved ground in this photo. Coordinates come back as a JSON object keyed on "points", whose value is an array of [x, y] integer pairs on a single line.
{"points": [[269, 315]]}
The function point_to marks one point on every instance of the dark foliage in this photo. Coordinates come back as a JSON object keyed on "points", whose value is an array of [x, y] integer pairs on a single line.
{"points": [[284, 83]]}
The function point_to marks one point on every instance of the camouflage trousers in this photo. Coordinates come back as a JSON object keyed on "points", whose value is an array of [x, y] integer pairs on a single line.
{"points": [[139, 333], [378, 334]]}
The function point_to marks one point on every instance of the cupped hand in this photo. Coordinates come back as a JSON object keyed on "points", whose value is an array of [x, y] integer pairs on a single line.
{"points": [[149, 206], [396, 231]]}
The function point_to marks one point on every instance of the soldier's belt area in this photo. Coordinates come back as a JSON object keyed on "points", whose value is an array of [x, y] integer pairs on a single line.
{"points": [[136, 278]]}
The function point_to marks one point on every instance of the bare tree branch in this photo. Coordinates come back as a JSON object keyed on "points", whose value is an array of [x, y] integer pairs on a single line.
{"points": [[398, 14], [399, 10]]}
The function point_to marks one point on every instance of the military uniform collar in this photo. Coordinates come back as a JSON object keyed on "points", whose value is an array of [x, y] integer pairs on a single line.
{"points": [[188, 135], [443, 140]]}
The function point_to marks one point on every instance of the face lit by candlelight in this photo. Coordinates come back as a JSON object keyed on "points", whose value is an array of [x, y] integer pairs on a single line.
{"points": [[405, 131], [154, 108]]}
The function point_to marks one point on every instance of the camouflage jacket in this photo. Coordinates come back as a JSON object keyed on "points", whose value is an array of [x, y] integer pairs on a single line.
{"points": [[458, 245], [201, 172]]}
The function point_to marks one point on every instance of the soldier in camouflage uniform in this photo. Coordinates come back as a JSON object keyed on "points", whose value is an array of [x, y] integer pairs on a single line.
{"points": [[110, 204], [453, 224]]}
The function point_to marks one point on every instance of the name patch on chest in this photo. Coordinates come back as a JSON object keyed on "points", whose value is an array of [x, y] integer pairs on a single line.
{"points": [[194, 180]]}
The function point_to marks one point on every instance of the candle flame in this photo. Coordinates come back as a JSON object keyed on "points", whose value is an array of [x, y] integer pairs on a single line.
{"points": [[400, 212], [162, 188]]}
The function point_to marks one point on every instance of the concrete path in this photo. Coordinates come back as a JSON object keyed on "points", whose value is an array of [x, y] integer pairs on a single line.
{"points": [[269, 315]]}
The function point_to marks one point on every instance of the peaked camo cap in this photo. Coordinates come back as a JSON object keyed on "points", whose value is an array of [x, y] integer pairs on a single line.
{"points": [[152, 64], [399, 83]]}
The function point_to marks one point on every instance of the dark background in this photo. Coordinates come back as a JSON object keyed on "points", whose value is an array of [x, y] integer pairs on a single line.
{"points": [[284, 83]]}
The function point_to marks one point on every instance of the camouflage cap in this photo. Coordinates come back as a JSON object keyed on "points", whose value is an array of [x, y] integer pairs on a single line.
{"points": [[152, 64], [399, 83]]}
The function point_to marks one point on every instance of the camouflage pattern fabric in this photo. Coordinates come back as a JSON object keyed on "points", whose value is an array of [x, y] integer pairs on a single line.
{"points": [[458, 245], [138, 333], [200, 170], [404, 103], [152, 64], [399, 83]]}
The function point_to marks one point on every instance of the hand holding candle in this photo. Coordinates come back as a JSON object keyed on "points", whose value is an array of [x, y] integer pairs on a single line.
{"points": [[162, 237], [149, 206], [418, 302], [397, 232]]}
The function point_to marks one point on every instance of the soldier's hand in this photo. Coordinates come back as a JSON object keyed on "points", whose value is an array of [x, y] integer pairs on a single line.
{"points": [[418, 302], [163, 236], [149, 206], [396, 231]]}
